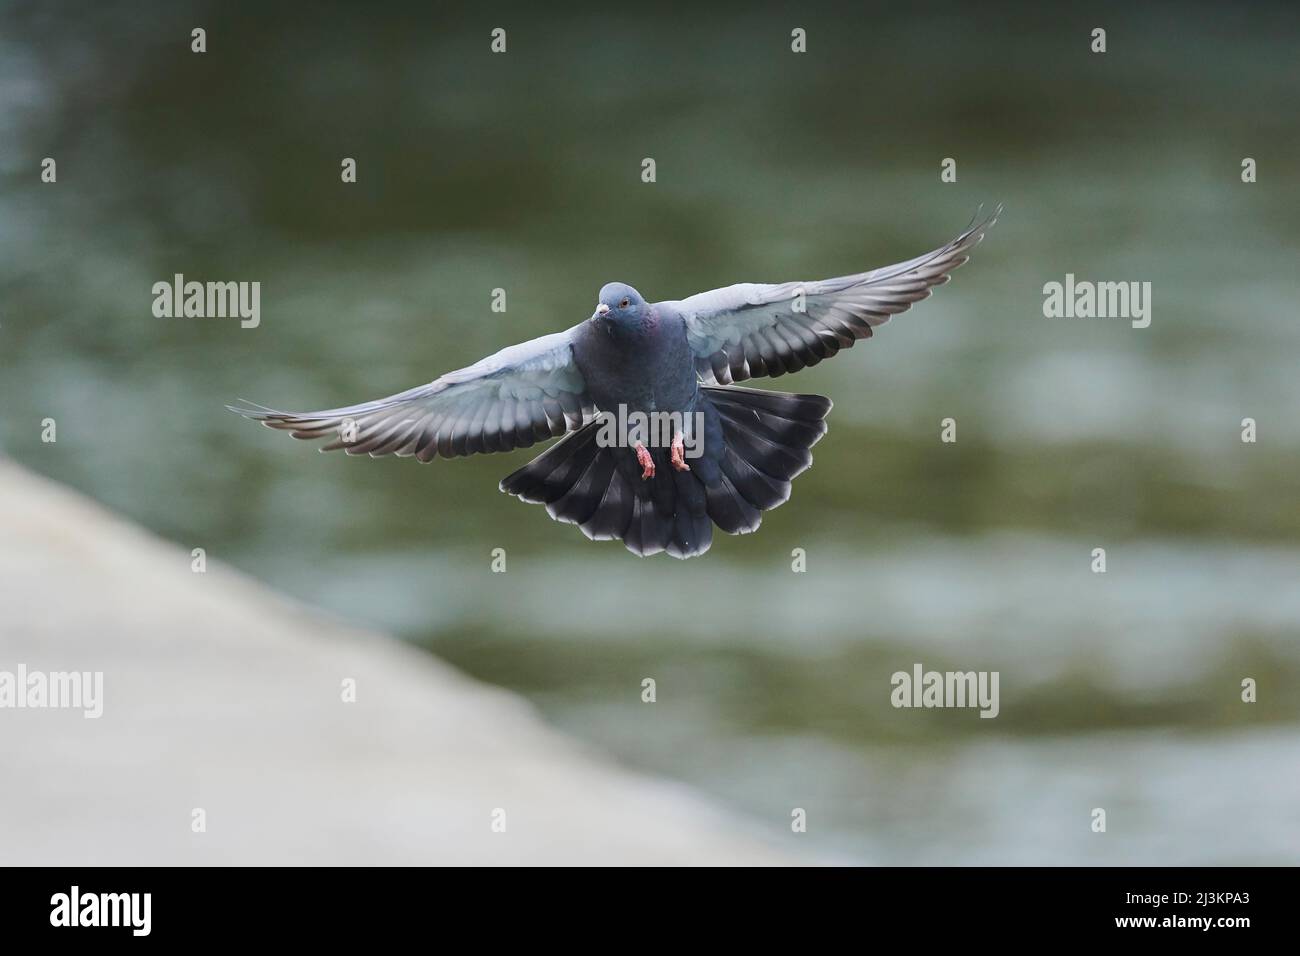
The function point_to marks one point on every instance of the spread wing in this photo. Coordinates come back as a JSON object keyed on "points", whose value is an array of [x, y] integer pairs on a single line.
{"points": [[748, 330], [521, 395]]}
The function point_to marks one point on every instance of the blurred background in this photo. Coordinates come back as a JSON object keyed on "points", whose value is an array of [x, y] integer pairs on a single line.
{"points": [[522, 171]]}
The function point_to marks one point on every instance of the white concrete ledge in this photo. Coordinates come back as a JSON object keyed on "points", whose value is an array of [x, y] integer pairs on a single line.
{"points": [[221, 695]]}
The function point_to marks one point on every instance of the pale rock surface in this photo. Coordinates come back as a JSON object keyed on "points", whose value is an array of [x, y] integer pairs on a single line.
{"points": [[222, 695]]}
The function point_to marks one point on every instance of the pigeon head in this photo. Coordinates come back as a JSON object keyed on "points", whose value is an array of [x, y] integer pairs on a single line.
{"points": [[619, 304]]}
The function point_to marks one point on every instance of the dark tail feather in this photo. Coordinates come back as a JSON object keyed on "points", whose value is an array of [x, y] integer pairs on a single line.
{"points": [[692, 530], [575, 478], [766, 437], [600, 490], [670, 513], [552, 473]]}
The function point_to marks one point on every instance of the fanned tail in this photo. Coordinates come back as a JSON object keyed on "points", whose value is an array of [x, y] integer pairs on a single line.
{"points": [[761, 442]]}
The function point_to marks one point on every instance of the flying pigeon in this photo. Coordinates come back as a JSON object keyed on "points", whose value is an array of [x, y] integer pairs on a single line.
{"points": [[723, 455]]}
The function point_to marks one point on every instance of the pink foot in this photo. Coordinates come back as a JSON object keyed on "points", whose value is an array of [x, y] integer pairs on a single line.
{"points": [[645, 461], [678, 454]]}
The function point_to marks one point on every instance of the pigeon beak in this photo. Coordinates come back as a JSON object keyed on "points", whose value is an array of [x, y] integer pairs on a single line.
{"points": [[601, 310]]}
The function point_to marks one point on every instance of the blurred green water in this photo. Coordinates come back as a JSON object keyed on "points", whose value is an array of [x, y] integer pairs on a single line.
{"points": [[522, 172]]}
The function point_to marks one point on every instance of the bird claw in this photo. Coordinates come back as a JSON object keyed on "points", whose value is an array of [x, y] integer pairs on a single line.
{"points": [[678, 454], [645, 461]]}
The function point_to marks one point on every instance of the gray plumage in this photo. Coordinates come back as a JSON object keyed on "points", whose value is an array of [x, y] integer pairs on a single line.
{"points": [[674, 356]]}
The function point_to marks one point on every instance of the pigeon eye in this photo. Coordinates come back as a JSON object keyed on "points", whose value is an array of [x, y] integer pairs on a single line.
{"points": [[623, 304]]}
